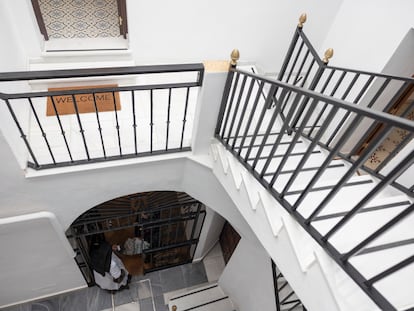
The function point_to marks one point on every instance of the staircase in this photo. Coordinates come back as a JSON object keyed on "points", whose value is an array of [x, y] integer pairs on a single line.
{"points": [[204, 298], [339, 232]]}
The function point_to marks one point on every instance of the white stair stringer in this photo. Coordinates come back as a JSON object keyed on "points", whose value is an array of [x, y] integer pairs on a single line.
{"points": [[298, 238], [268, 219], [340, 281]]}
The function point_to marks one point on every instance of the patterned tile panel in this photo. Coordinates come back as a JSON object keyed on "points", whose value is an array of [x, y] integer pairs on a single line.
{"points": [[80, 18]]}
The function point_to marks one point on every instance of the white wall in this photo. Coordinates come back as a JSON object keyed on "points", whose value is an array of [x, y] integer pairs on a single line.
{"points": [[185, 30], [248, 277], [365, 34], [24, 38], [36, 259], [207, 110], [210, 233], [69, 195]]}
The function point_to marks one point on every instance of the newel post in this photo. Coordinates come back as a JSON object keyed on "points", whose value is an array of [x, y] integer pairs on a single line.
{"points": [[235, 55]]}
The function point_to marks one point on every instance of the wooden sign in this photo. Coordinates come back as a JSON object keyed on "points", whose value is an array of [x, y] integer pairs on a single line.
{"points": [[85, 102]]}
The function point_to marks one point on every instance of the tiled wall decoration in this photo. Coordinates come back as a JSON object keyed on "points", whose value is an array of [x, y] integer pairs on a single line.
{"points": [[396, 136], [80, 18]]}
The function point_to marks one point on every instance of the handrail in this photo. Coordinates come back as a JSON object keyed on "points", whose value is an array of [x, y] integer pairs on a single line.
{"points": [[127, 114], [99, 72], [253, 133], [371, 113], [355, 86]]}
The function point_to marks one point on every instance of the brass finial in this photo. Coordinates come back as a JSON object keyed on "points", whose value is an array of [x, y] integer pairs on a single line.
{"points": [[328, 54], [302, 20], [174, 308], [235, 55]]}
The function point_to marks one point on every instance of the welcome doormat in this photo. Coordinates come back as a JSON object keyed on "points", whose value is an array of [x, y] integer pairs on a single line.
{"points": [[85, 102]]}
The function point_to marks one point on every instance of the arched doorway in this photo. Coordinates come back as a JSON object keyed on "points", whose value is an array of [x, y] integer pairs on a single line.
{"points": [[155, 230]]}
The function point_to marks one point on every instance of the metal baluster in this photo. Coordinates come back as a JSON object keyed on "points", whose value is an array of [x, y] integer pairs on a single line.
{"points": [[362, 92], [298, 303], [269, 99], [275, 285], [41, 129], [309, 151], [362, 159], [61, 128], [363, 89], [229, 82], [243, 112], [75, 105], [304, 61], [292, 46], [99, 125], [236, 108], [312, 86], [185, 117], [379, 92], [151, 118], [387, 226], [298, 133], [195, 222], [390, 270], [295, 61], [168, 119], [308, 73], [350, 130], [393, 175], [134, 121], [287, 297], [276, 112], [229, 104], [22, 134], [117, 123], [324, 106], [252, 113], [282, 131], [341, 122]]}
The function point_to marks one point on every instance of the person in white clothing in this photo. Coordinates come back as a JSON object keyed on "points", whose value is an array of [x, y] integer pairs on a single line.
{"points": [[108, 270]]}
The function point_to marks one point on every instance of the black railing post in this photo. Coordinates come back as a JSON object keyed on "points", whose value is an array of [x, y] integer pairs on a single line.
{"points": [[293, 43], [275, 278], [314, 83], [22, 134], [235, 55]]}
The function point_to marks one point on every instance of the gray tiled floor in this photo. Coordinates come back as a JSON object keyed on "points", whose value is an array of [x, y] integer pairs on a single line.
{"points": [[141, 290]]}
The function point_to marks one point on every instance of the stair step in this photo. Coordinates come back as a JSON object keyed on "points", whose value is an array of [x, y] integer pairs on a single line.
{"points": [[209, 297], [365, 223], [343, 201]]}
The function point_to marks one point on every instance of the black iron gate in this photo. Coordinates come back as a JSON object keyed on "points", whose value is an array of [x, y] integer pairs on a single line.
{"points": [[168, 224]]}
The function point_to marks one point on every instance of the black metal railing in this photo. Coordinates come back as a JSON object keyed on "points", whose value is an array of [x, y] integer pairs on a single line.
{"points": [[266, 140], [303, 67], [285, 296], [151, 113]]}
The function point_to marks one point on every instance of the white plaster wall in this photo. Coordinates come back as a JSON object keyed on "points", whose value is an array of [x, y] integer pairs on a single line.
{"points": [[36, 260], [207, 109], [365, 34], [21, 23], [210, 234], [69, 195], [185, 30], [248, 277]]}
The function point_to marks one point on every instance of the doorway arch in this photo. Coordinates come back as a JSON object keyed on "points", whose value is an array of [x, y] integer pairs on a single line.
{"points": [[155, 230]]}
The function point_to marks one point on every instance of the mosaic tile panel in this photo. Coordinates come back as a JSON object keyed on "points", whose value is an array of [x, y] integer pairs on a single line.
{"points": [[396, 136], [80, 18]]}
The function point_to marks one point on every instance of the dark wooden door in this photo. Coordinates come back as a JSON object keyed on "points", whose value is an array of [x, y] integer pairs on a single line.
{"points": [[229, 238]]}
